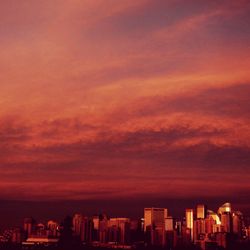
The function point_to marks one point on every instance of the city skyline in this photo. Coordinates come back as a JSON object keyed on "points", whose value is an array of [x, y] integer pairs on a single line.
{"points": [[200, 228], [13, 212], [114, 101]]}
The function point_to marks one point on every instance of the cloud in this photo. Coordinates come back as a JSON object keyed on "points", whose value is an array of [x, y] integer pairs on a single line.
{"points": [[161, 154], [223, 101], [180, 140], [122, 98]]}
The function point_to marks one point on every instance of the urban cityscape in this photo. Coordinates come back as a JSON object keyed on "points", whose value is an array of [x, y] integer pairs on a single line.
{"points": [[124, 124], [200, 228]]}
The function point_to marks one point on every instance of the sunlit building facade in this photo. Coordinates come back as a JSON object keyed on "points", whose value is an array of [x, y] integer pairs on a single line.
{"points": [[201, 211], [154, 225], [190, 222], [238, 224]]}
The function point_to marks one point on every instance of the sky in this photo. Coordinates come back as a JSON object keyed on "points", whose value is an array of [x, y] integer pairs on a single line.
{"points": [[120, 100]]}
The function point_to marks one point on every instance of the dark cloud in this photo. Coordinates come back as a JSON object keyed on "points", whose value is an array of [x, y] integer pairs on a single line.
{"points": [[12, 131], [146, 18], [141, 143], [229, 101], [156, 147], [63, 127], [232, 101], [139, 162], [158, 152], [13, 135]]}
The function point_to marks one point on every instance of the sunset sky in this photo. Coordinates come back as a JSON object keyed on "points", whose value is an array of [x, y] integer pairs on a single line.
{"points": [[119, 99]]}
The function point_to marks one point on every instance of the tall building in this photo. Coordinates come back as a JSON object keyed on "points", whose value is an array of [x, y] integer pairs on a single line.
{"points": [[119, 230], [77, 224], [53, 228], [103, 228], [199, 229], [96, 221], [154, 225], [225, 208], [96, 225], [82, 227], [28, 226], [154, 217], [209, 225], [226, 222], [212, 214], [40, 230], [17, 236], [124, 228], [224, 213], [201, 211], [178, 227], [87, 230], [190, 222], [136, 230], [238, 224], [169, 223]]}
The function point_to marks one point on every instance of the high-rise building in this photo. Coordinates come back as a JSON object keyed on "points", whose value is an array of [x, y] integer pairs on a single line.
{"points": [[226, 222], [154, 225], [154, 217], [137, 230], [103, 228], [238, 224], [212, 214], [40, 230], [119, 230], [169, 223], [209, 223], [178, 227], [82, 227], [53, 228], [199, 229], [225, 208], [96, 225], [190, 222], [96, 221], [201, 211], [87, 230], [28, 226], [77, 224], [17, 236], [224, 213]]}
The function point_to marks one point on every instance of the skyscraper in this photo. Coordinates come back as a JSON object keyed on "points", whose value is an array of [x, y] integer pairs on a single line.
{"points": [[77, 224], [201, 211], [96, 225], [103, 228], [237, 223], [190, 222], [154, 225], [225, 215], [225, 208], [53, 228], [119, 230], [28, 226], [154, 217], [199, 229], [226, 222], [169, 223]]}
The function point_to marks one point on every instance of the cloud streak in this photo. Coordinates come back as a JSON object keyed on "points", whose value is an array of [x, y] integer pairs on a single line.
{"points": [[121, 98]]}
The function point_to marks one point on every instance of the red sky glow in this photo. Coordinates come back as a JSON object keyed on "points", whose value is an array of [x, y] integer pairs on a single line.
{"points": [[111, 99]]}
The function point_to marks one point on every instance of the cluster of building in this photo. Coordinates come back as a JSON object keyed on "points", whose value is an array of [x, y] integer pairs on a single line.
{"points": [[200, 226], [33, 233]]}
